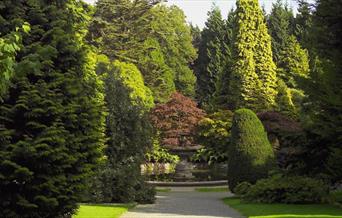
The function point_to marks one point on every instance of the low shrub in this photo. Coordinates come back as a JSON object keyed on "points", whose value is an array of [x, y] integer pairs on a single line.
{"points": [[287, 189], [242, 188]]}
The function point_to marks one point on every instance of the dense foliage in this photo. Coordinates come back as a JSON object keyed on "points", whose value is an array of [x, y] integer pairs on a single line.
{"points": [[213, 132], [153, 37], [213, 57], [128, 102], [250, 154], [287, 189], [253, 80], [52, 118]]}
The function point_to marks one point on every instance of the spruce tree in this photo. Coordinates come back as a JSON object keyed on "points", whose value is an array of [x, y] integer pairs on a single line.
{"points": [[221, 95], [280, 28], [250, 154], [253, 79], [212, 59], [51, 121]]}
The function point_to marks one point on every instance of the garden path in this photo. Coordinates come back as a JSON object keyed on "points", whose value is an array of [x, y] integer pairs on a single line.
{"points": [[185, 203]]}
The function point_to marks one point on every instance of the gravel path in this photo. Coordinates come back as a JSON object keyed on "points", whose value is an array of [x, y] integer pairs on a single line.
{"points": [[185, 203]]}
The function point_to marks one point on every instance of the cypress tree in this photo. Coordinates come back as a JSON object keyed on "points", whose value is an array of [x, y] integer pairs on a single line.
{"points": [[253, 79], [51, 121], [212, 59], [250, 154]]}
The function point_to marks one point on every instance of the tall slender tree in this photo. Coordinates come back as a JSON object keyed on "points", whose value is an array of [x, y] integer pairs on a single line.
{"points": [[212, 57], [253, 79], [221, 95], [52, 120]]}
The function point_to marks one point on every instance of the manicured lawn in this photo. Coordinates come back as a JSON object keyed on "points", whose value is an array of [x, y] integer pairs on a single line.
{"points": [[212, 189], [260, 210], [163, 189], [102, 211]]}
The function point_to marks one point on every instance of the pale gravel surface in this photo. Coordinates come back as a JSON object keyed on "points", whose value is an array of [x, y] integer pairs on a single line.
{"points": [[185, 203]]}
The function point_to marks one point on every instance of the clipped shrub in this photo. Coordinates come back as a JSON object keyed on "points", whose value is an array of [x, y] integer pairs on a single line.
{"points": [[287, 189], [250, 154]]}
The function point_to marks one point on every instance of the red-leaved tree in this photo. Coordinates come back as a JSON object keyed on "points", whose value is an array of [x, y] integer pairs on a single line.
{"points": [[176, 121]]}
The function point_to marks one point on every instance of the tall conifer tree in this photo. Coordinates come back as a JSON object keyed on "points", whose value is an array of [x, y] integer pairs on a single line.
{"points": [[212, 59], [253, 79], [51, 121]]}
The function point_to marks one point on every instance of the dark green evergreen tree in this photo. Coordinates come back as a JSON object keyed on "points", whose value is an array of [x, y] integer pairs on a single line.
{"points": [[250, 154], [325, 92], [52, 120], [280, 28], [303, 24], [212, 59], [222, 95], [253, 78]]}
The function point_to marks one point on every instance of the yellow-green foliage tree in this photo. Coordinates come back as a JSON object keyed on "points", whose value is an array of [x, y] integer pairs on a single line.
{"points": [[253, 80]]}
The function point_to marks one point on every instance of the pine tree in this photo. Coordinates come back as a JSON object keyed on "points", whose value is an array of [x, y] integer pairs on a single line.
{"points": [[253, 79], [212, 59], [52, 120]]}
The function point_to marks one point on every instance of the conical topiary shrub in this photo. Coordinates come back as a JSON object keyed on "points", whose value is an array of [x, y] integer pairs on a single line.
{"points": [[250, 155]]}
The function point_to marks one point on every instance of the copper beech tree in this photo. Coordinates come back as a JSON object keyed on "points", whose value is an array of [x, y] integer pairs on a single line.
{"points": [[176, 121]]}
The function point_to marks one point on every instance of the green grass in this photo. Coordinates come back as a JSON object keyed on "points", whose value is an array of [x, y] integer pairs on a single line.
{"points": [[210, 189], [102, 211], [261, 210], [163, 189]]}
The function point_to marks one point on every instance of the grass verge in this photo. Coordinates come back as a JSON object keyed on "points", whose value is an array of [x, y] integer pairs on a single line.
{"points": [[102, 211], [262, 210], [163, 189], [212, 189]]}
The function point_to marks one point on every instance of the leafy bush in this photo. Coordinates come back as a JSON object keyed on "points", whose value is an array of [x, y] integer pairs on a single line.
{"points": [[242, 188], [213, 132], [251, 156], [160, 155], [287, 189]]}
